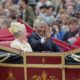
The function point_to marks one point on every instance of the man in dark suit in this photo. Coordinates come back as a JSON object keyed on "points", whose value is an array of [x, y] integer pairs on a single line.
{"points": [[40, 39]]}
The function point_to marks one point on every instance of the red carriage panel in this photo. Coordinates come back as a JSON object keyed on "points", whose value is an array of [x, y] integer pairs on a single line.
{"points": [[43, 60], [72, 74], [11, 73]]}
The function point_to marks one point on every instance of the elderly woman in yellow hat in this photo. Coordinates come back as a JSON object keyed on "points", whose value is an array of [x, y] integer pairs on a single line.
{"points": [[19, 31]]}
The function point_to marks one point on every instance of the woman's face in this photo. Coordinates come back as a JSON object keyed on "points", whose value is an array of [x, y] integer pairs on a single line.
{"points": [[55, 27], [64, 19], [73, 26], [23, 36]]}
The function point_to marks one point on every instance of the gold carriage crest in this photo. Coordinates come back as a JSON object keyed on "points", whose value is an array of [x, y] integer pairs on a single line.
{"points": [[10, 76], [44, 76]]}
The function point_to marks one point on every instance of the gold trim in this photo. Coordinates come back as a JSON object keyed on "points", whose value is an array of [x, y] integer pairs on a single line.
{"points": [[42, 54], [73, 51], [25, 67], [33, 65], [37, 54], [63, 74], [10, 49], [43, 66], [11, 65], [72, 66], [51, 54], [63, 69]]}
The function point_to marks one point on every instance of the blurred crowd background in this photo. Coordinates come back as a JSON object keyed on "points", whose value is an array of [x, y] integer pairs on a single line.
{"points": [[63, 16]]}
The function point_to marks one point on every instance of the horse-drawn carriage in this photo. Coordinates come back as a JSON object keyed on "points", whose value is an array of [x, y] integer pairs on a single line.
{"points": [[37, 66]]}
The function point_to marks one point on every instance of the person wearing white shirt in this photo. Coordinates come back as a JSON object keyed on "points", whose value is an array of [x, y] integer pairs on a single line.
{"points": [[19, 31]]}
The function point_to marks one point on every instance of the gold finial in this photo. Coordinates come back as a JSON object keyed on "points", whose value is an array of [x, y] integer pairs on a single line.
{"points": [[10, 76], [43, 60]]}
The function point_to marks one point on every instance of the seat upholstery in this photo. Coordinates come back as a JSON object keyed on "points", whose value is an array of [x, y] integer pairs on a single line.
{"points": [[6, 43]]}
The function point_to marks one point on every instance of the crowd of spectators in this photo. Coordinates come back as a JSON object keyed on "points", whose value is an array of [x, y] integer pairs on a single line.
{"points": [[62, 16]]}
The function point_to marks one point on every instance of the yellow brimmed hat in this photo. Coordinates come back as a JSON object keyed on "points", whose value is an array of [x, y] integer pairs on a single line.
{"points": [[16, 26]]}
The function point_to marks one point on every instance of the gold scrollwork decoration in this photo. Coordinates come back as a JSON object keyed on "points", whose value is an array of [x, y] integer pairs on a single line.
{"points": [[35, 77], [44, 76], [10, 76]]}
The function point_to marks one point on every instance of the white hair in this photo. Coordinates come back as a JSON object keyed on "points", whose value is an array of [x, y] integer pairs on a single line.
{"points": [[38, 23]]}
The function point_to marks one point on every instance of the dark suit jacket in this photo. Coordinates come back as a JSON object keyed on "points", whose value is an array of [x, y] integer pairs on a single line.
{"points": [[37, 46], [68, 35]]}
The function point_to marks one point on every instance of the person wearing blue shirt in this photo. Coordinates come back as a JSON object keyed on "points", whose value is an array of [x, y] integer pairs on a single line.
{"points": [[57, 32]]}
